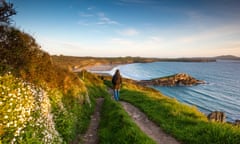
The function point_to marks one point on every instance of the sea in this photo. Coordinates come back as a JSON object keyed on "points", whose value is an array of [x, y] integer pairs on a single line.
{"points": [[220, 93]]}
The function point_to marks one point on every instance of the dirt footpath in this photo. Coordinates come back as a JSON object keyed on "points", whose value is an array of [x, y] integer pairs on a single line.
{"points": [[91, 136], [147, 126]]}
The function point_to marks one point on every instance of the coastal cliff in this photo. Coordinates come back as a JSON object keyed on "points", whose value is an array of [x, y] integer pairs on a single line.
{"points": [[180, 79]]}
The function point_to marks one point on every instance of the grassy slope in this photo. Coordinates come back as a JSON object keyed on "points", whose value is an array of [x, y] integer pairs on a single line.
{"points": [[67, 93], [185, 123]]}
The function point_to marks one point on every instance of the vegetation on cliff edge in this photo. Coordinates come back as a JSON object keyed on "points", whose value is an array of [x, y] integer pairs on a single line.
{"points": [[184, 122]]}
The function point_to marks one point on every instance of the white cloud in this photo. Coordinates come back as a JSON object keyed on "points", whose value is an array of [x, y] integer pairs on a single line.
{"points": [[129, 32], [103, 20], [220, 32], [137, 1], [83, 23], [91, 8], [156, 39], [82, 14], [123, 42]]}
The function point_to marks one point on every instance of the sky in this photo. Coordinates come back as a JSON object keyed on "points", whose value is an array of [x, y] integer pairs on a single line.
{"points": [[145, 28]]}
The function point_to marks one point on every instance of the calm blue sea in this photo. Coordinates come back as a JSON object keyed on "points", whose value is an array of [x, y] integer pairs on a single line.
{"points": [[222, 91]]}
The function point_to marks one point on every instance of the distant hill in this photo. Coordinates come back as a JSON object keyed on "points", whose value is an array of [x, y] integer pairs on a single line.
{"points": [[82, 62], [71, 62], [227, 57]]}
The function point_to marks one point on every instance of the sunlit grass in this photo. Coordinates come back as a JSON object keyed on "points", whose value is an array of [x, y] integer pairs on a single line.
{"points": [[184, 122]]}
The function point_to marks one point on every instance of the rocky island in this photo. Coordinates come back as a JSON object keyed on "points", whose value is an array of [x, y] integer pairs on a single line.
{"points": [[180, 79]]}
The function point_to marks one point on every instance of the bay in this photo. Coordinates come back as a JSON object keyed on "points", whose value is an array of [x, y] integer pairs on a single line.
{"points": [[221, 93]]}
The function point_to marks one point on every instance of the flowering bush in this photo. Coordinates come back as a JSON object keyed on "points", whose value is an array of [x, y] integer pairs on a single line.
{"points": [[25, 113]]}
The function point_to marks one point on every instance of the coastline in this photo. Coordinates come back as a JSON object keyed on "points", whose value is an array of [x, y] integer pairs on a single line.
{"points": [[107, 70], [101, 68]]}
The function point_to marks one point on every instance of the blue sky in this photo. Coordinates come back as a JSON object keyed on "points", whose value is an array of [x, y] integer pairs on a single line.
{"points": [[146, 28]]}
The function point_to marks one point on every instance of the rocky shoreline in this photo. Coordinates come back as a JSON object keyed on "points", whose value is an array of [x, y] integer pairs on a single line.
{"points": [[180, 79]]}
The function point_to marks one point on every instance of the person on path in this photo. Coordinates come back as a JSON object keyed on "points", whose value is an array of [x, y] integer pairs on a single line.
{"points": [[117, 82]]}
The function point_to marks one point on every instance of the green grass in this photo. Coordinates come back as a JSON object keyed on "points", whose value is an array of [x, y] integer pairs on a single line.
{"points": [[116, 127], [184, 122], [71, 114]]}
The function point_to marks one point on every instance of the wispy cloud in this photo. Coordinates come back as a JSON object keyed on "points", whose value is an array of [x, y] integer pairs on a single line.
{"points": [[129, 32], [136, 1], [133, 1], [104, 20], [211, 34], [91, 8], [99, 18], [83, 14], [120, 41], [83, 23]]}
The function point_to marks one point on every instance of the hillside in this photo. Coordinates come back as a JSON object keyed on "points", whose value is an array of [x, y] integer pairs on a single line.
{"points": [[40, 101], [227, 57]]}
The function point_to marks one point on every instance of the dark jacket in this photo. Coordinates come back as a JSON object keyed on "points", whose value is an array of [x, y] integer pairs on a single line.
{"points": [[117, 80]]}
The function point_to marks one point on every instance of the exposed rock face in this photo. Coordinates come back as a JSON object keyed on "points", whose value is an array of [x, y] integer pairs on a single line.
{"points": [[237, 122], [174, 80], [217, 116]]}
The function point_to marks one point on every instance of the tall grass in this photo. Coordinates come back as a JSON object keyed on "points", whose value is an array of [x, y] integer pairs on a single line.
{"points": [[71, 115], [184, 122]]}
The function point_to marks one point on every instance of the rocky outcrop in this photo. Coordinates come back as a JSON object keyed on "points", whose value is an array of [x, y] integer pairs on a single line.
{"points": [[237, 122], [174, 80], [217, 116]]}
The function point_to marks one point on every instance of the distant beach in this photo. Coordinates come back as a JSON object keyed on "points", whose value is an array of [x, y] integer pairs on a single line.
{"points": [[105, 67]]}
